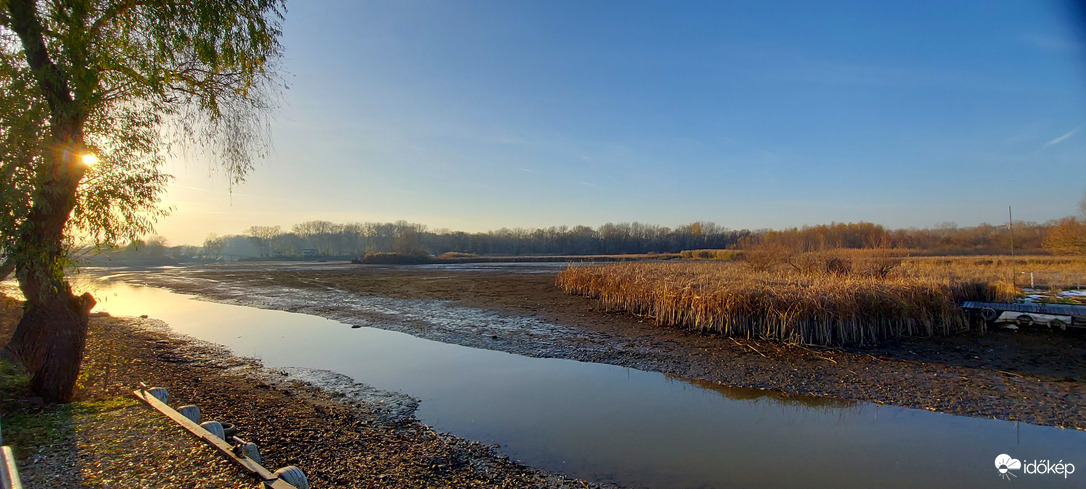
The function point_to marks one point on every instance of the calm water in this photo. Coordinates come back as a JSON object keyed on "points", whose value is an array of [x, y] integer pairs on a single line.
{"points": [[626, 426]]}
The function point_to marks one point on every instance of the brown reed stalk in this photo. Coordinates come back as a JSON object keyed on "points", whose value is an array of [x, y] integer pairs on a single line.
{"points": [[919, 297]]}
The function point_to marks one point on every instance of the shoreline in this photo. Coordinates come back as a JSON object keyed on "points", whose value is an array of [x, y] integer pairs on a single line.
{"points": [[339, 432], [1032, 377], [346, 434]]}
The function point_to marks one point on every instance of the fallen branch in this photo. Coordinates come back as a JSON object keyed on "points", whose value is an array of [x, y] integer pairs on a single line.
{"points": [[751, 347], [816, 354]]}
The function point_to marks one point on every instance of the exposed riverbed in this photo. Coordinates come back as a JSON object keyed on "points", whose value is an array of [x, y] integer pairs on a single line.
{"points": [[599, 422]]}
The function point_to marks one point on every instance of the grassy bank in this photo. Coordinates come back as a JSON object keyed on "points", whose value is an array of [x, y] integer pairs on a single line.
{"points": [[822, 299]]}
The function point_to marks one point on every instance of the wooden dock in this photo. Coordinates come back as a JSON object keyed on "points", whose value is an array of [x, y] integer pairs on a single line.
{"points": [[990, 311]]}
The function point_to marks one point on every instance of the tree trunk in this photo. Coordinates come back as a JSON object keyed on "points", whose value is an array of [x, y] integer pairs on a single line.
{"points": [[52, 333], [49, 341], [6, 267]]}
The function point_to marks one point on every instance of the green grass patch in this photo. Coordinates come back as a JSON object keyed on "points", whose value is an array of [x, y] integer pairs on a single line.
{"points": [[102, 406], [26, 431], [14, 382], [27, 428]]}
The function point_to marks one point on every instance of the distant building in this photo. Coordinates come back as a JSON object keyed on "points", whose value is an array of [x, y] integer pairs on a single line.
{"points": [[309, 253]]}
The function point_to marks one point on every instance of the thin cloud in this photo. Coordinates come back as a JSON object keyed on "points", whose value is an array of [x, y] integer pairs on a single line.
{"points": [[1051, 43], [1061, 138]]}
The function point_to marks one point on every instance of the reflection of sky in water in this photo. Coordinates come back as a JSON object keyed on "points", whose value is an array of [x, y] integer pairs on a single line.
{"points": [[623, 425], [1042, 295]]}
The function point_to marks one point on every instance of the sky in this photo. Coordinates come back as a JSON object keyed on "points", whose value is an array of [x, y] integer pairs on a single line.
{"points": [[478, 115]]}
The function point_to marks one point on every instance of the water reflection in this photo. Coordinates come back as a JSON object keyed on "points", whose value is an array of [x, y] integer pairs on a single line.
{"points": [[634, 428], [737, 393]]}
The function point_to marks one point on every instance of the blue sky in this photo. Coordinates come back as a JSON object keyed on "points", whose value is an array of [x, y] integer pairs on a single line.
{"points": [[481, 115]]}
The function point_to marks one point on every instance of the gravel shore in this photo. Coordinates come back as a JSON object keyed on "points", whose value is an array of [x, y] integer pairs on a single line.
{"points": [[345, 435]]}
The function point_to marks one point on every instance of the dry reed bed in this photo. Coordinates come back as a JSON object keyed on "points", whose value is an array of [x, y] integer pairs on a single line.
{"points": [[1058, 271], [784, 305]]}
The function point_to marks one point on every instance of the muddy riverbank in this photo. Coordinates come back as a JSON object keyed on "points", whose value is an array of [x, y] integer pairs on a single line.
{"points": [[1037, 377], [342, 435]]}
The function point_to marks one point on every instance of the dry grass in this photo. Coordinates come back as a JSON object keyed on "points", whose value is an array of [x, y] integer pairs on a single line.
{"points": [[1053, 271], [824, 299]]}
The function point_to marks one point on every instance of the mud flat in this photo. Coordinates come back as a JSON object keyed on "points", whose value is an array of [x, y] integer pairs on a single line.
{"points": [[1036, 377]]}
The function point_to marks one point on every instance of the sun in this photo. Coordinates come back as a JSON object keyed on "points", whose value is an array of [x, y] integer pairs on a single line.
{"points": [[88, 159]]}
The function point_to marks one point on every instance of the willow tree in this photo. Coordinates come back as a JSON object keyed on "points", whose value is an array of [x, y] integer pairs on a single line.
{"points": [[95, 94]]}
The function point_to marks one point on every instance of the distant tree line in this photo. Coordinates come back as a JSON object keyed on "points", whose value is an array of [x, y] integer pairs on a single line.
{"points": [[313, 239], [943, 238], [327, 239], [323, 238], [316, 239]]}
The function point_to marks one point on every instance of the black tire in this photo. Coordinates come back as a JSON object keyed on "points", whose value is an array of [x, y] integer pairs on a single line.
{"points": [[989, 314], [1024, 320], [1057, 324], [228, 430]]}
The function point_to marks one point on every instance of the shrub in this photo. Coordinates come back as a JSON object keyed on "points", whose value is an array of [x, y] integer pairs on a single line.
{"points": [[393, 258]]}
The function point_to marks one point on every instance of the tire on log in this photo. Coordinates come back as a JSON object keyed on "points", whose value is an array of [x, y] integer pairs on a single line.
{"points": [[215, 428], [989, 314], [160, 393], [294, 476], [228, 429], [252, 451], [191, 412]]}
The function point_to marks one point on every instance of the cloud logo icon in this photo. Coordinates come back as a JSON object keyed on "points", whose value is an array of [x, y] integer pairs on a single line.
{"points": [[1005, 464]]}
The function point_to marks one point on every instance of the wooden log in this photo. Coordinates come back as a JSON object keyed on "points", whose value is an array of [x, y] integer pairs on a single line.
{"points": [[271, 480], [294, 476], [160, 393]]}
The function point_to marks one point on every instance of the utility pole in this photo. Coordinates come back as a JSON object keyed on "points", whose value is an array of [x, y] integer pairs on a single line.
{"points": [[1010, 227]]}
